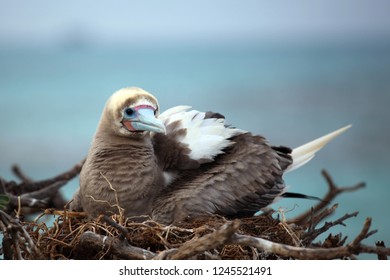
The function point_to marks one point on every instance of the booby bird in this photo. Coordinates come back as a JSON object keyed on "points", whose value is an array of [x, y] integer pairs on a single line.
{"points": [[180, 164]]}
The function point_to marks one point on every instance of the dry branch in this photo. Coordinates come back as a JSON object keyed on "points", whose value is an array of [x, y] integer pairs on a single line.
{"points": [[313, 233], [205, 243], [94, 243], [27, 187], [20, 174], [381, 244], [355, 247], [333, 192], [36, 195], [16, 239]]}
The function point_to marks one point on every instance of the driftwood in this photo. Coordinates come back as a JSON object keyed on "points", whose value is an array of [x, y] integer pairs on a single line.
{"points": [[75, 236]]}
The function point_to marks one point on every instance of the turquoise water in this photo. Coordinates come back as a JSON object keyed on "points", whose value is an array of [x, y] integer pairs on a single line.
{"points": [[51, 100]]}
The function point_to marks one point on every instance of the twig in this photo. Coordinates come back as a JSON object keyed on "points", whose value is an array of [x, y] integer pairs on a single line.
{"points": [[2, 186], [21, 175], [363, 234], [334, 241], [374, 250], [49, 191], [381, 244], [355, 247], [36, 195], [16, 201], [287, 250], [27, 187], [90, 241], [17, 239], [121, 210], [52, 211], [313, 233], [19, 211], [120, 228], [305, 253], [315, 220], [38, 199], [205, 243], [333, 192]]}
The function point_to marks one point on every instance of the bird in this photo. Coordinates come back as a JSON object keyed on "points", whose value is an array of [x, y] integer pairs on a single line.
{"points": [[180, 164]]}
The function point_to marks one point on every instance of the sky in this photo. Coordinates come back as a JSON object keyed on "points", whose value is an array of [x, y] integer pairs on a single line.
{"points": [[48, 22]]}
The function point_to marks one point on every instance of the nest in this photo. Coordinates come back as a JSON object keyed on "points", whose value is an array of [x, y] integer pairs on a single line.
{"points": [[72, 235]]}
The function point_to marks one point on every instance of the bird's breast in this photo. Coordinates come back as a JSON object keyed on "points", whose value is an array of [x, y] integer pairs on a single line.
{"points": [[116, 180]]}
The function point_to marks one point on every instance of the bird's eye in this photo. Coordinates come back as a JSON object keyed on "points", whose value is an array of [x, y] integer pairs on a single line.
{"points": [[129, 112]]}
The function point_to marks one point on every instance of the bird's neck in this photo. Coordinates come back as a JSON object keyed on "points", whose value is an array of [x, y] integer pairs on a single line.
{"points": [[103, 140], [113, 150]]}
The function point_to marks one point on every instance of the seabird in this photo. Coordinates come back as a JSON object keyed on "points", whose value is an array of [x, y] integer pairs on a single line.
{"points": [[180, 164]]}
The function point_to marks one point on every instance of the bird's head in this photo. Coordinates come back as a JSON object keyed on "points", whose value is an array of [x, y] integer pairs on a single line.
{"points": [[132, 111]]}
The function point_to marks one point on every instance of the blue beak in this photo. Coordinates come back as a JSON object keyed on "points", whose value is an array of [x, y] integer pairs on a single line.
{"points": [[145, 120]]}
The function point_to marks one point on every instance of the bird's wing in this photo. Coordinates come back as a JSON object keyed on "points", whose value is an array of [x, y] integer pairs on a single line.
{"points": [[245, 178], [217, 169], [192, 138]]}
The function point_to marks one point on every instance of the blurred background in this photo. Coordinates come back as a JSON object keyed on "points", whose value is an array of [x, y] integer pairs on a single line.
{"points": [[289, 70]]}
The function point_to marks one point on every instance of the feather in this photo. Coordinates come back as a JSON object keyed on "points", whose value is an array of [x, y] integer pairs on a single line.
{"points": [[205, 137], [303, 154], [172, 111]]}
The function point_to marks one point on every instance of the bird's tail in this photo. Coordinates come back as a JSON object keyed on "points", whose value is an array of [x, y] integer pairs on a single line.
{"points": [[303, 154]]}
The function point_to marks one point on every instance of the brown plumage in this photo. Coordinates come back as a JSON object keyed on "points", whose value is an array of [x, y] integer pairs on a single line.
{"points": [[180, 164], [246, 178]]}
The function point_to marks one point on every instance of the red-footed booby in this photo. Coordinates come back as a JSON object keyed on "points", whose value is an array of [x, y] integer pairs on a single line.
{"points": [[180, 164]]}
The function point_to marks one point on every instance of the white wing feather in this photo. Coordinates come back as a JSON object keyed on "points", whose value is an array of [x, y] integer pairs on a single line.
{"points": [[205, 137], [208, 137]]}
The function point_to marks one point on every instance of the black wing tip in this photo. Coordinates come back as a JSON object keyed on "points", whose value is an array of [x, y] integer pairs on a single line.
{"points": [[213, 115], [302, 196]]}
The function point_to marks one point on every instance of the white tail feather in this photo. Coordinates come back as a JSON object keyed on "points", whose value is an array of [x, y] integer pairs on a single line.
{"points": [[303, 154]]}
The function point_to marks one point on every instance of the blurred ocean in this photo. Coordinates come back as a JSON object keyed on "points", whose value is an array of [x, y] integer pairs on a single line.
{"points": [[51, 100]]}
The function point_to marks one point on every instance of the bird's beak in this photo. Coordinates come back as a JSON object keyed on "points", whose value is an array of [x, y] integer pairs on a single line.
{"points": [[147, 121]]}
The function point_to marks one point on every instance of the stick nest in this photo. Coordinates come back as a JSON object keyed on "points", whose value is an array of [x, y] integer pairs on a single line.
{"points": [[72, 235]]}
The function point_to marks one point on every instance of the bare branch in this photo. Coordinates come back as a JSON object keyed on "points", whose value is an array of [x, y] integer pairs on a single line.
{"points": [[18, 241], [20, 174], [48, 191], [94, 243], [289, 251], [36, 195], [205, 243], [37, 199], [313, 233], [120, 228], [2, 186], [355, 247], [315, 220], [333, 192], [363, 234], [381, 244], [16, 201], [27, 187]]}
